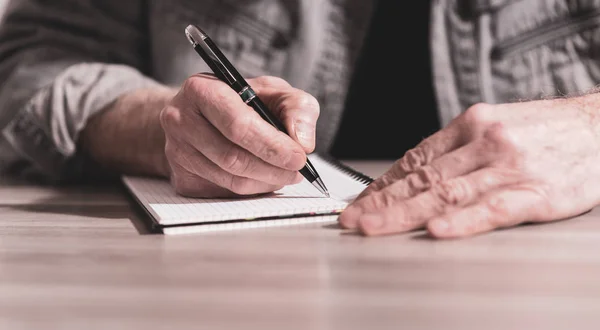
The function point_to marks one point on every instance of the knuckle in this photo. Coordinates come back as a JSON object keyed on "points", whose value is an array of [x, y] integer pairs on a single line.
{"points": [[497, 207], [502, 144], [498, 138], [192, 85], [170, 117], [407, 163], [415, 158], [396, 171], [273, 152], [236, 161], [424, 178], [452, 193], [477, 114], [377, 201], [414, 184], [383, 181]]}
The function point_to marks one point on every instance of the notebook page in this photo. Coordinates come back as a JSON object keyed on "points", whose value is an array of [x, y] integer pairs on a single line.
{"points": [[242, 225], [169, 208]]}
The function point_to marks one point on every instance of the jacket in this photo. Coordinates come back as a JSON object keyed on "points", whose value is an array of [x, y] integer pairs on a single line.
{"points": [[499, 51], [62, 62]]}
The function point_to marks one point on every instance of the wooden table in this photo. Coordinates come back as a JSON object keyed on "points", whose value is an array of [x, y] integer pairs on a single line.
{"points": [[81, 258]]}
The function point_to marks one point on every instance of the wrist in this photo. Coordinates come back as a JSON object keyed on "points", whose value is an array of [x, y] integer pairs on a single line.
{"points": [[127, 137]]}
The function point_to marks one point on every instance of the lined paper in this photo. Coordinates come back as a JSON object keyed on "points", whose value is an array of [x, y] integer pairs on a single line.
{"points": [[169, 208]]}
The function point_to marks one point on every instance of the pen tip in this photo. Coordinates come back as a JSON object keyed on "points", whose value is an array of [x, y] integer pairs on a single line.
{"points": [[318, 183]]}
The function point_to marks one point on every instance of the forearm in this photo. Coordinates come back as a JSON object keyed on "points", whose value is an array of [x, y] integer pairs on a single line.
{"points": [[127, 136], [52, 80]]}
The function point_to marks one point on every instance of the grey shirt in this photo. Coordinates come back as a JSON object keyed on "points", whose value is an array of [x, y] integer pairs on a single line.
{"points": [[63, 61]]}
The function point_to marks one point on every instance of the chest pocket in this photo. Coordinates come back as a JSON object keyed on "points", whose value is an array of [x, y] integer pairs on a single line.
{"points": [[542, 48], [569, 25]]}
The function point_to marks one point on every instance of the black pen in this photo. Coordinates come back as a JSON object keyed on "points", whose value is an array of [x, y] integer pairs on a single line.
{"points": [[225, 71]]}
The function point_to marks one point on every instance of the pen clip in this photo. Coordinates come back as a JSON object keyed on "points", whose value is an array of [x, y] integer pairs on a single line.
{"points": [[199, 39]]}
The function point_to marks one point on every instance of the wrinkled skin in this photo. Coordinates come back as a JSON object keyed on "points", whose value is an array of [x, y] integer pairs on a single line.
{"points": [[217, 146], [494, 166]]}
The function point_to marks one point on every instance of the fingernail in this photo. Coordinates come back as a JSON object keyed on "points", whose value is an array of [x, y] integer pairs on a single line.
{"points": [[349, 217], [371, 222], [439, 226], [305, 133]]}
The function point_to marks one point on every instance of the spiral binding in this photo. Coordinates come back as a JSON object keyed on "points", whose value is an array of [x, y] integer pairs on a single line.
{"points": [[358, 176]]}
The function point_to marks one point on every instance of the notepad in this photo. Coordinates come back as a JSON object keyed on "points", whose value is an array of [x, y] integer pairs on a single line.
{"points": [[300, 203]]}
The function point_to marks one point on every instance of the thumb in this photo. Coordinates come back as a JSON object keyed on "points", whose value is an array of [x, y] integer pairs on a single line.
{"points": [[297, 109], [303, 132], [299, 112]]}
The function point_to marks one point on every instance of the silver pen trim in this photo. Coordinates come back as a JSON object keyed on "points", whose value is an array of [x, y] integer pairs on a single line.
{"points": [[318, 183], [194, 35], [250, 99], [243, 90]]}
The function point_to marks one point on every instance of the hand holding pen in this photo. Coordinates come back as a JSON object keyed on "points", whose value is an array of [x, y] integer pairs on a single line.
{"points": [[228, 74], [216, 146]]}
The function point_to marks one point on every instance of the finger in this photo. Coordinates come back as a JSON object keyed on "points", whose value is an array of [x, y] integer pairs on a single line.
{"points": [[189, 184], [194, 129], [298, 111], [501, 208], [182, 156], [462, 161], [436, 145], [413, 213], [239, 123]]}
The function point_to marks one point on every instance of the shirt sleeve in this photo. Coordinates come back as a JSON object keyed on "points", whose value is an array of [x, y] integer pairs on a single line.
{"points": [[61, 62]]}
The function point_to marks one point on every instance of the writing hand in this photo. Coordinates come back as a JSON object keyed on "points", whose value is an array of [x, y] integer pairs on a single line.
{"points": [[493, 166], [217, 146]]}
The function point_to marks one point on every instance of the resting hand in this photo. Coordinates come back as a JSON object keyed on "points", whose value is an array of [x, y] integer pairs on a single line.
{"points": [[493, 166], [217, 146]]}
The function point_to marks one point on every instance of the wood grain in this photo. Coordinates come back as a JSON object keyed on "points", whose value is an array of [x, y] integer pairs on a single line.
{"points": [[79, 258]]}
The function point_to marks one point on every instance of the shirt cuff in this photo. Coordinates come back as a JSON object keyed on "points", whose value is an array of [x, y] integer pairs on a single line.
{"points": [[44, 131]]}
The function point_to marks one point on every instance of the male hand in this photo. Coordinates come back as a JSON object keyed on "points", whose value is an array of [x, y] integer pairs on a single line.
{"points": [[493, 166], [217, 146]]}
